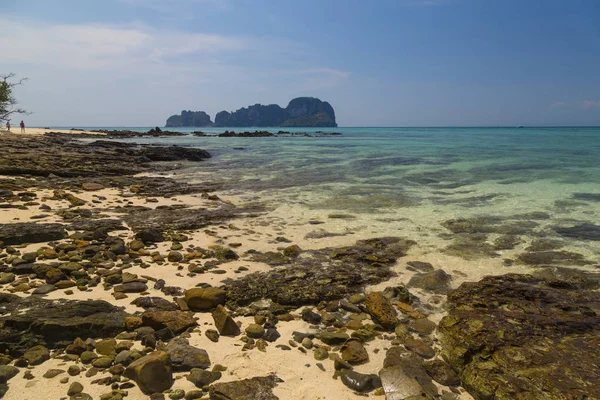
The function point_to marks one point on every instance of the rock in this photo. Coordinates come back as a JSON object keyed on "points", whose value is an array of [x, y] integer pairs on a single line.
{"points": [[202, 378], [422, 326], [255, 331], [131, 287], [576, 278], [73, 370], [307, 343], [301, 112], [419, 347], [436, 281], [176, 321], [212, 335], [44, 289], [150, 235], [91, 186], [6, 277], [398, 385], [354, 352], [361, 383], [224, 323], [136, 245], [421, 266], [175, 256], [328, 274], [225, 254], [321, 354], [582, 232], [74, 388], [311, 317], [103, 362], [185, 357], [514, 336], [29, 232], [37, 355], [51, 373], [333, 338], [87, 357], [106, 347], [441, 373], [381, 310], [177, 394], [33, 320], [193, 394], [200, 299], [271, 335], [8, 371], [152, 372], [258, 388], [189, 119]]}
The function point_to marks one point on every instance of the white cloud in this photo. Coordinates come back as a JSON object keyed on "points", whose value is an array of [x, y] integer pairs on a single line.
{"points": [[180, 7], [104, 46], [591, 104], [557, 104], [134, 74]]}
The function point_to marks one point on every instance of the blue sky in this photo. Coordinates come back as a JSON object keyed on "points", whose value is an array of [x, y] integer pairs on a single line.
{"points": [[379, 63]]}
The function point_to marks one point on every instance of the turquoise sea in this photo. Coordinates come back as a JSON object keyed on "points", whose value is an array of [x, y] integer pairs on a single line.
{"points": [[468, 193]]}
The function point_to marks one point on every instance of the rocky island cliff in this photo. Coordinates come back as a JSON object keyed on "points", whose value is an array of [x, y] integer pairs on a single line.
{"points": [[300, 112]]}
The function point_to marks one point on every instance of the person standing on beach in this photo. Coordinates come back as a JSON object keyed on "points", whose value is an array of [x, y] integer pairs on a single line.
{"points": [[22, 127], [8, 126]]}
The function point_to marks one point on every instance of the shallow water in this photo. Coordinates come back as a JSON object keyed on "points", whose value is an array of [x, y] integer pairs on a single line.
{"points": [[525, 183]]}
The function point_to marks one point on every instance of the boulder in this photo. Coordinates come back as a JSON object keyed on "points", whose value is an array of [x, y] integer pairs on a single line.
{"points": [[176, 321], [361, 383], [258, 388], [381, 310], [201, 378], [255, 331], [152, 372], [185, 357], [518, 336], [150, 235], [436, 281], [328, 274], [36, 355], [224, 323], [354, 352], [131, 287], [33, 321], [201, 299], [29, 232]]}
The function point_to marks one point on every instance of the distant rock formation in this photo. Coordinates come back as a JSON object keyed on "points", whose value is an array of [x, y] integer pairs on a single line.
{"points": [[300, 112], [189, 118]]}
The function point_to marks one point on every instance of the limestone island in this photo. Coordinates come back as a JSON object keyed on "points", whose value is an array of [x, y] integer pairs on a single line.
{"points": [[300, 112]]}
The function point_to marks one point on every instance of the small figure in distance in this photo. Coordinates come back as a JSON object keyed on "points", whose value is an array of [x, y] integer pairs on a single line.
{"points": [[8, 126], [22, 127]]}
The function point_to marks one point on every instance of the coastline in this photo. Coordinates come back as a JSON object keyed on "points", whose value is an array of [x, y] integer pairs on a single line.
{"points": [[259, 237]]}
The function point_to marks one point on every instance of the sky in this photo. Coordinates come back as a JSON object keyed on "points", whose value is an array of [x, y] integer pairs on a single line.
{"points": [[378, 62]]}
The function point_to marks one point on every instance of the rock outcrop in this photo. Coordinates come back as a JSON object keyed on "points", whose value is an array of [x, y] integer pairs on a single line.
{"points": [[189, 119], [522, 337], [30, 321], [300, 112]]}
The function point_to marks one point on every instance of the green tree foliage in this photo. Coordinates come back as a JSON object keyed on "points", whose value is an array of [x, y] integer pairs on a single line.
{"points": [[8, 103]]}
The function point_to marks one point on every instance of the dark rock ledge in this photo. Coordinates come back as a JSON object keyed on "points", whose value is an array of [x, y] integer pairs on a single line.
{"points": [[521, 337]]}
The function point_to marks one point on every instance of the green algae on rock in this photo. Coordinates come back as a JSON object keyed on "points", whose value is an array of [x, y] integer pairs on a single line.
{"points": [[322, 275], [522, 337]]}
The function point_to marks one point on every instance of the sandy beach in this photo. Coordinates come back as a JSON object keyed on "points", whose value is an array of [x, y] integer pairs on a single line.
{"points": [[36, 131], [312, 303]]}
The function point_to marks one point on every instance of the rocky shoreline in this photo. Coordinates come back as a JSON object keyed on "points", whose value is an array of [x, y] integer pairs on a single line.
{"points": [[119, 283]]}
